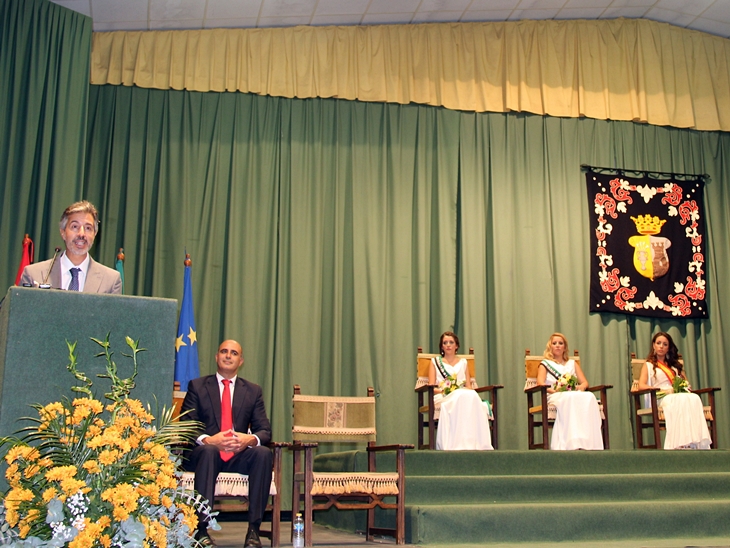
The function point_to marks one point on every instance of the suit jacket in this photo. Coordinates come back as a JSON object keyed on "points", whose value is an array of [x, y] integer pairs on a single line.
{"points": [[203, 400], [99, 278]]}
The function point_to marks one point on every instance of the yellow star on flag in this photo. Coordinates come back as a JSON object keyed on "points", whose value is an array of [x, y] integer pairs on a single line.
{"points": [[193, 336], [178, 343]]}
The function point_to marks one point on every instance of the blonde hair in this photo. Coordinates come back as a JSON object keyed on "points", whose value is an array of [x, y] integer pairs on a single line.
{"points": [[549, 351]]}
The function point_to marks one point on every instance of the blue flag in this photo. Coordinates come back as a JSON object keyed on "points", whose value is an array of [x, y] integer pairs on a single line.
{"points": [[186, 342]]}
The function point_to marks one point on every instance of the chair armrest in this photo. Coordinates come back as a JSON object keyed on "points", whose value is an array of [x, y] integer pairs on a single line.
{"points": [[394, 447], [599, 387], [273, 444], [707, 390], [301, 446], [645, 391], [538, 388], [425, 388], [490, 388]]}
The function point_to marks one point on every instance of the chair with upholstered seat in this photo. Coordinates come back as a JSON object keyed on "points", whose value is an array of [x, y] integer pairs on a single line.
{"points": [[648, 415], [231, 489], [428, 411], [542, 415], [320, 419]]}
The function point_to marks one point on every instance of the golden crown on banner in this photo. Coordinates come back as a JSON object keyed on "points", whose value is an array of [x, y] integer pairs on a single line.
{"points": [[646, 224]]}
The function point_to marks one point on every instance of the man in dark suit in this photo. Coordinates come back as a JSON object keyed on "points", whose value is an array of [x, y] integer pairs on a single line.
{"points": [[74, 269], [225, 445]]}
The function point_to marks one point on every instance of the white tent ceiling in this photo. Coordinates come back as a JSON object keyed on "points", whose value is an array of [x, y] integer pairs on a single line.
{"points": [[711, 16]]}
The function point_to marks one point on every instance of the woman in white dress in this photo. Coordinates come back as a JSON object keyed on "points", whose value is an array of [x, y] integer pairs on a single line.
{"points": [[683, 413], [578, 421], [463, 418]]}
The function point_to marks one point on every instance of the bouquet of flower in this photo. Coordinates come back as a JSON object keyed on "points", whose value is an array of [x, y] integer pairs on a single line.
{"points": [[565, 383], [87, 474], [449, 384], [680, 385]]}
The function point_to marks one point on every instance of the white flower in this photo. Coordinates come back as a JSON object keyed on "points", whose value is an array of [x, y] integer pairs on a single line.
{"points": [[694, 266], [625, 281], [630, 306], [647, 192], [652, 301], [691, 232], [621, 207], [672, 211], [678, 287]]}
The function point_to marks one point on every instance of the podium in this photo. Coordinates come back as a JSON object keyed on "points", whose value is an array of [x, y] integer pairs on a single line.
{"points": [[35, 325]]}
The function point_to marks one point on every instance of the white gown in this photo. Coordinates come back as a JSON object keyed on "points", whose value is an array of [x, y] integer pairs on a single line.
{"points": [[578, 421], [463, 421], [683, 414]]}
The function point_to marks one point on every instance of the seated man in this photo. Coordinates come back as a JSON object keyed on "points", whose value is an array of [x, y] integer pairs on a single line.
{"points": [[228, 406]]}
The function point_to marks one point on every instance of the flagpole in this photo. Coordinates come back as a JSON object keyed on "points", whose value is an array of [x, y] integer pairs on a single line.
{"points": [[119, 265], [26, 258], [187, 365]]}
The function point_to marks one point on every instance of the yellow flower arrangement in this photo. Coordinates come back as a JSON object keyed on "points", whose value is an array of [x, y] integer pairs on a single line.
{"points": [[89, 475]]}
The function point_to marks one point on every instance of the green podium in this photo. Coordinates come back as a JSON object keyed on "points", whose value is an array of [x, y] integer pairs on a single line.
{"points": [[35, 325]]}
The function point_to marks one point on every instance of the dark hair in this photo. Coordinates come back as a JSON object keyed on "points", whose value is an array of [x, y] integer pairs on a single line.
{"points": [[448, 334], [672, 357]]}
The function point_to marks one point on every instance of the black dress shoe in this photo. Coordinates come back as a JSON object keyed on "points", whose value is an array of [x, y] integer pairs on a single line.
{"points": [[252, 538]]}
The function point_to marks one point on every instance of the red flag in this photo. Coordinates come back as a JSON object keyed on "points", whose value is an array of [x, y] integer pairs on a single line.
{"points": [[27, 257]]}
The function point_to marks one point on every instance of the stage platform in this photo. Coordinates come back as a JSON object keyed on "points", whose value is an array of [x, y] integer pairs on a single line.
{"points": [[493, 497]]}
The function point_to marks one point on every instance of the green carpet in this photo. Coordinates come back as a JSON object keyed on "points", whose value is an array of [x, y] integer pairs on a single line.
{"points": [[551, 496]]}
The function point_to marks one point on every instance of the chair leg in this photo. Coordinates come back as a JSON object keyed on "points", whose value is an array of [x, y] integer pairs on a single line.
{"points": [[276, 502], [495, 430], [400, 512], [308, 503], [655, 419], [604, 425]]}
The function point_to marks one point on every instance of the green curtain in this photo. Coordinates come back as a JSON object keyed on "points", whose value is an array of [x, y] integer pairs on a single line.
{"points": [[333, 237], [44, 63]]}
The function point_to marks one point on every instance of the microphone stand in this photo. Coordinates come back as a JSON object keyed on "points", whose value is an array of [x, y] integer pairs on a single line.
{"points": [[45, 284]]}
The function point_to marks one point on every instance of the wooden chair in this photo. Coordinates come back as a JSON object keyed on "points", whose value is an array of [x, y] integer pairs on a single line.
{"points": [[646, 407], [542, 415], [319, 419], [428, 412], [231, 489]]}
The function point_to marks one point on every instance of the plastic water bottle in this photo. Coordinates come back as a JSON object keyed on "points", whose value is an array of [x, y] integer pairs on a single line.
{"points": [[298, 532]]}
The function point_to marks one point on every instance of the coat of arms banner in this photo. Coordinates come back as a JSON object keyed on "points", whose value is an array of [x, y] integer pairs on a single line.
{"points": [[647, 246]]}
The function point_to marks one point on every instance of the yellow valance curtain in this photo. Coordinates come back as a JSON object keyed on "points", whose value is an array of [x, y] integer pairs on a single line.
{"points": [[623, 69]]}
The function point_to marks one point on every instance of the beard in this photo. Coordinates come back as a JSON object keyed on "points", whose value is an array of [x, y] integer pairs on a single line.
{"points": [[75, 250]]}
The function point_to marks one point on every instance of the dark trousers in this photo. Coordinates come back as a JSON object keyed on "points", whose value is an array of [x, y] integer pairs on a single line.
{"points": [[255, 462]]}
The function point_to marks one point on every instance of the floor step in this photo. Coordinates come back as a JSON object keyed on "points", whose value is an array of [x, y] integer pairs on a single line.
{"points": [[536, 497], [560, 522], [573, 488]]}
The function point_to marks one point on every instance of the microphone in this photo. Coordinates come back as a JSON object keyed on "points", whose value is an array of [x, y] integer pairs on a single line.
{"points": [[45, 284]]}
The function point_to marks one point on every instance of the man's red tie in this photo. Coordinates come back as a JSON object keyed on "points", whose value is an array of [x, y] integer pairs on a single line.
{"points": [[226, 415]]}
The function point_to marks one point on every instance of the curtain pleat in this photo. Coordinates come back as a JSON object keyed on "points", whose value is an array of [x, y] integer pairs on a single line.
{"points": [[44, 63], [622, 69]]}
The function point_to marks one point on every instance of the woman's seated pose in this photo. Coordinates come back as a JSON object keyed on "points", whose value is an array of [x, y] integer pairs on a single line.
{"points": [[578, 421], [463, 420], [683, 413]]}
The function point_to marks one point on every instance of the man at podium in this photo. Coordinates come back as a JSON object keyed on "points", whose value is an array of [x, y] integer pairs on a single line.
{"points": [[74, 269]]}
